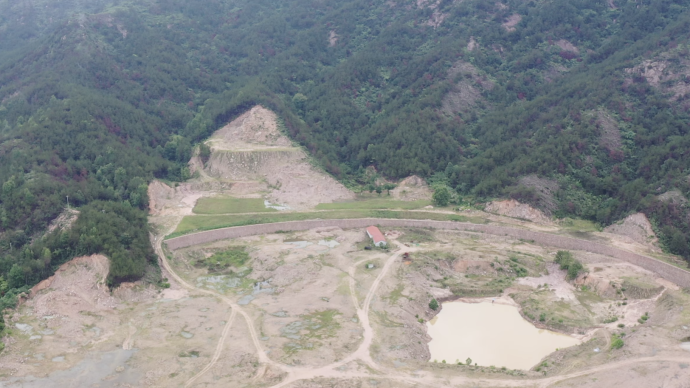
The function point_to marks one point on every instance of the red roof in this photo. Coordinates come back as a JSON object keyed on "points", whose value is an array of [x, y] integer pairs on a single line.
{"points": [[375, 234]]}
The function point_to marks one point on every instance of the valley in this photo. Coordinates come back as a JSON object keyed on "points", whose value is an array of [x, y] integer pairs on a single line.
{"points": [[299, 299]]}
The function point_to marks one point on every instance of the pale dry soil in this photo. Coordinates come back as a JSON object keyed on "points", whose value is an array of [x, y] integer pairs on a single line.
{"points": [[307, 310], [314, 308]]}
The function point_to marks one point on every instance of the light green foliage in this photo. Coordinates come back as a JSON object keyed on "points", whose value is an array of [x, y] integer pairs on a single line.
{"points": [[441, 196], [230, 205], [569, 263], [234, 257], [374, 203], [199, 222], [616, 342]]}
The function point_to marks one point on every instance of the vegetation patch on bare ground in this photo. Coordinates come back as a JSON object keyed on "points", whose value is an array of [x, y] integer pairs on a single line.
{"points": [[230, 205], [198, 223], [374, 203]]}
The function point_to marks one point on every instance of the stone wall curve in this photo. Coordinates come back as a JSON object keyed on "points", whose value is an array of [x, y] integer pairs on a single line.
{"points": [[677, 275]]}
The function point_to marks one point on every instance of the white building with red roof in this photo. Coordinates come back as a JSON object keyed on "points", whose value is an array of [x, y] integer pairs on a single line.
{"points": [[375, 234]]}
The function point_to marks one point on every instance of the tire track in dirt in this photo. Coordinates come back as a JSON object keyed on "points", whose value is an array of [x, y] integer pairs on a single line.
{"points": [[263, 358], [219, 349], [362, 353]]}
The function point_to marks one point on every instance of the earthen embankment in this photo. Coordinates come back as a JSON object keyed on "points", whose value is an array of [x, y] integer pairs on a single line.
{"points": [[677, 275]]}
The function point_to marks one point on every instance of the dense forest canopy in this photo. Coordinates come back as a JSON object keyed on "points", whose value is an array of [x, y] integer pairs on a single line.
{"points": [[98, 97]]}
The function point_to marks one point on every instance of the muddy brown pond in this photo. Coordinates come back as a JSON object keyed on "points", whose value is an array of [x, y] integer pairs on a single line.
{"points": [[490, 334]]}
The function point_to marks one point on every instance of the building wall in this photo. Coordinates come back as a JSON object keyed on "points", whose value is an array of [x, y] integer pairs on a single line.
{"points": [[677, 275]]}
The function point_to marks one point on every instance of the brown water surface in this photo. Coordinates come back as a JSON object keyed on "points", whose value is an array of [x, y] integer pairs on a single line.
{"points": [[490, 334]]}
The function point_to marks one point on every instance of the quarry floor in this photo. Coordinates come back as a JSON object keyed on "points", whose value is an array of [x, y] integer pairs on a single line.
{"points": [[316, 309]]}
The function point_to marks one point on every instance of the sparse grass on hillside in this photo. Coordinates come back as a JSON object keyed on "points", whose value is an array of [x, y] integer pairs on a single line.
{"points": [[199, 223], [579, 225], [375, 203], [230, 205]]}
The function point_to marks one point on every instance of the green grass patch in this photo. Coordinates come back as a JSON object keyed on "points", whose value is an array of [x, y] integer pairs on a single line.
{"points": [[578, 225], [230, 205], [233, 257], [375, 203], [198, 223]]}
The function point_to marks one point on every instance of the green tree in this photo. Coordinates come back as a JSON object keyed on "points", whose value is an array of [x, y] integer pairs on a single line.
{"points": [[16, 276], [46, 256], [441, 196], [433, 304], [204, 153]]}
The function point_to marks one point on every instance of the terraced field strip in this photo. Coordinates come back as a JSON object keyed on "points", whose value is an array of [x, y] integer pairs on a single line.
{"points": [[675, 274], [198, 223], [230, 205], [375, 203]]}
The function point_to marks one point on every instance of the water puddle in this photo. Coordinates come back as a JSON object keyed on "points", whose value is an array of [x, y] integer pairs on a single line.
{"points": [[300, 244], [490, 334]]}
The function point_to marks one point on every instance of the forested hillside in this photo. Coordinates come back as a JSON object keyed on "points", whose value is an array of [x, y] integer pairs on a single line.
{"points": [[99, 97]]}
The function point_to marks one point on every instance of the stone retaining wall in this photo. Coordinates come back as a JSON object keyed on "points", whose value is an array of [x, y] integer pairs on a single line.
{"points": [[667, 271]]}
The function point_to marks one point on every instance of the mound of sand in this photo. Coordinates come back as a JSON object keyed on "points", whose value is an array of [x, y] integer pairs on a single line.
{"points": [[412, 188], [252, 149], [636, 227], [515, 209], [78, 285], [258, 126]]}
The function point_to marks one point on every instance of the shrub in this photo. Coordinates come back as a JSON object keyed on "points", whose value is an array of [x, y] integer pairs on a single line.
{"points": [[233, 257], [616, 342], [433, 304], [441, 196], [569, 263]]}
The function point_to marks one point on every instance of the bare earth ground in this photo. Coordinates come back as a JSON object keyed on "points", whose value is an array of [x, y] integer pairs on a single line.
{"points": [[320, 316], [513, 208], [316, 309], [252, 149], [412, 188]]}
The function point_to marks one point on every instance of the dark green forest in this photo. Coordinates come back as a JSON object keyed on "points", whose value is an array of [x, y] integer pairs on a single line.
{"points": [[99, 97]]}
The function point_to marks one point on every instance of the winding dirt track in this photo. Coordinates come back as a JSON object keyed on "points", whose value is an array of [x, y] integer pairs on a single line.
{"points": [[363, 351]]}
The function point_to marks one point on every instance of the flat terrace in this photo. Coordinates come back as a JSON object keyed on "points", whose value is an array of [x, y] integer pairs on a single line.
{"points": [[675, 274]]}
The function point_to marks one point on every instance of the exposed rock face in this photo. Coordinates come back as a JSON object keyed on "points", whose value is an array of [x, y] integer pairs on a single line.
{"points": [[252, 149], [545, 190], [467, 92], [513, 208], [673, 196], [610, 131], [666, 72], [511, 22], [412, 188], [636, 227], [567, 46]]}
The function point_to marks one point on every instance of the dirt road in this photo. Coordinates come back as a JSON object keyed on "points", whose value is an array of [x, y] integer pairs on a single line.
{"points": [[362, 354]]}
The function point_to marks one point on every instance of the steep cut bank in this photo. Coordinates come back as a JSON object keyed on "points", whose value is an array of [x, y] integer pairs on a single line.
{"points": [[251, 150]]}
